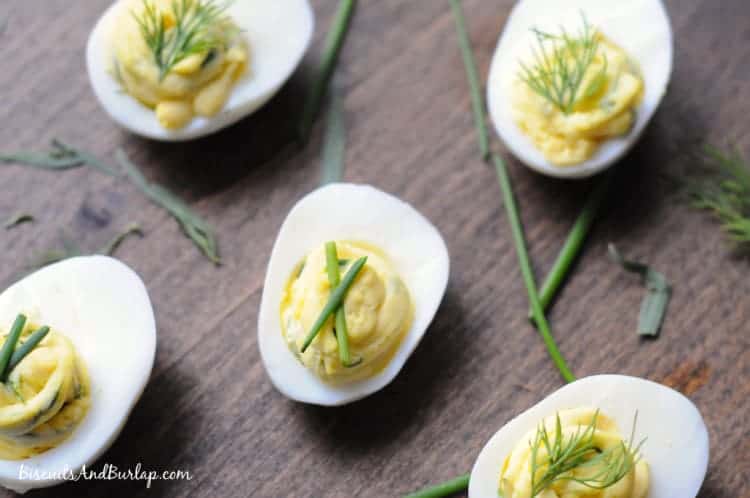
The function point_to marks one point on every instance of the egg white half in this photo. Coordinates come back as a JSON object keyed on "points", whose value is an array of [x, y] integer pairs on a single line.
{"points": [[676, 447], [102, 306], [641, 27], [344, 211], [278, 33]]}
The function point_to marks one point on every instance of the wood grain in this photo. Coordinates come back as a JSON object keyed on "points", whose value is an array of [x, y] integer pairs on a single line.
{"points": [[209, 407]]}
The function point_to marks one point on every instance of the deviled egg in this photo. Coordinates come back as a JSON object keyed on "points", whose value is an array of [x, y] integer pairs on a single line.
{"points": [[354, 280], [180, 69], [608, 436], [64, 402], [573, 84]]}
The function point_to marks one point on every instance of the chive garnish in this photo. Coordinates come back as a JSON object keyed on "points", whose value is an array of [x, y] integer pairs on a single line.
{"points": [[342, 331], [334, 42], [573, 244], [10, 344], [112, 245], [509, 201], [444, 489], [527, 272], [334, 301], [472, 75], [24, 349], [334, 143], [18, 219], [654, 304]]}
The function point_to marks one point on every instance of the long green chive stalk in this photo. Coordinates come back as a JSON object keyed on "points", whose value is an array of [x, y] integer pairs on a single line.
{"points": [[24, 349], [526, 271], [334, 143], [508, 198], [573, 244], [472, 74], [333, 44], [334, 301], [10, 345], [445, 489], [342, 331], [461, 483]]}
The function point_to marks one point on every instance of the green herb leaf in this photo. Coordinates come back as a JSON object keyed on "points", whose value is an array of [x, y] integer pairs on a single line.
{"points": [[561, 456], [654, 304], [340, 327], [573, 244], [334, 144], [198, 230], [10, 345], [112, 245], [61, 157], [28, 345], [18, 219], [334, 301], [199, 27], [560, 65], [332, 49], [447, 488], [725, 193], [477, 102]]}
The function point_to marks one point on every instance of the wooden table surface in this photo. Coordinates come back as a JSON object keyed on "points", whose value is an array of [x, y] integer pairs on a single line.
{"points": [[210, 408]]}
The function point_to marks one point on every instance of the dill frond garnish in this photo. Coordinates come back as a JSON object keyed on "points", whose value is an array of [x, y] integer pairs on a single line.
{"points": [[725, 192], [195, 27], [560, 63], [555, 458]]}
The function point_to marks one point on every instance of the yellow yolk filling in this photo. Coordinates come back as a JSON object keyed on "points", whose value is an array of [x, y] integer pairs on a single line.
{"points": [[604, 108], [198, 85], [45, 398], [378, 310], [515, 477]]}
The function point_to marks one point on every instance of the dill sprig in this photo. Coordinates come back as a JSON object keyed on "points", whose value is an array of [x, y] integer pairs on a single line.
{"points": [[560, 63], [194, 31], [555, 458], [725, 192]]}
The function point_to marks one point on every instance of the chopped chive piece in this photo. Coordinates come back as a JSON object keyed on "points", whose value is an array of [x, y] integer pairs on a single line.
{"points": [[654, 304], [24, 349], [342, 331], [18, 219], [333, 44], [441, 490], [334, 301], [343, 262], [10, 344], [573, 244]]}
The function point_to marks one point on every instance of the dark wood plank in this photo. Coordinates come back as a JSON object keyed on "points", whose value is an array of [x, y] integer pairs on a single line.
{"points": [[210, 408]]}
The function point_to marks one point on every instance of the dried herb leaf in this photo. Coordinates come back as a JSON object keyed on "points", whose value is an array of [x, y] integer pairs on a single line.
{"points": [[334, 145], [61, 157], [18, 219], [199, 231], [111, 247], [654, 304]]}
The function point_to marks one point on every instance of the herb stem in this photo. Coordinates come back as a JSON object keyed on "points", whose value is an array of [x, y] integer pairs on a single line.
{"points": [[334, 143], [342, 331], [472, 75], [29, 344], [334, 301], [527, 272], [573, 244], [441, 490], [334, 42], [10, 344]]}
